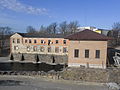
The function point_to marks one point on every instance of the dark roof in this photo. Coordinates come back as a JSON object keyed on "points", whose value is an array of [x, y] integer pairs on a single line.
{"points": [[87, 35], [30, 35]]}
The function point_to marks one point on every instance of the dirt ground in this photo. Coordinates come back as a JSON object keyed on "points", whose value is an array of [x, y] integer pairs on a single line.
{"points": [[37, 83]]}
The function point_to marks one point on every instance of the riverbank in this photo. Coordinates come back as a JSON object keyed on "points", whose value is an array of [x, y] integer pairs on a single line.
{"points": [[40, 83], [74, 74]]}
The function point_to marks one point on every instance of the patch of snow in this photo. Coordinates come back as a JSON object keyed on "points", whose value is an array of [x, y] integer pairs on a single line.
{"points": [[114, 86]]}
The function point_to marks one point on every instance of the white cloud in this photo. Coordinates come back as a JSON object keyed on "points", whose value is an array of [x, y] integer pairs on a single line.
{"points": [[15, 5]]}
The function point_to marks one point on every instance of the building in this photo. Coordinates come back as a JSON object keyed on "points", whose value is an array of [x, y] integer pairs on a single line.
{"points": [[100, 31], [87, 48], [54, 47], [88, 27]]}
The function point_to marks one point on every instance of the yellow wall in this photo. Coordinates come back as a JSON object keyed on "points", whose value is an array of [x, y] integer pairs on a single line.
{"points": [[98, 31], [92, 46]]}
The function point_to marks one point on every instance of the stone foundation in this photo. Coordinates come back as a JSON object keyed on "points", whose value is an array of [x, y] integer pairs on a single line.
{"points": [[88, 75], [92, 75], [57, 59]]}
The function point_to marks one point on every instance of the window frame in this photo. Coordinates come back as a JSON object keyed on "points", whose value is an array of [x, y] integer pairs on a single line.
{"points": [[56, 49], [13, 40], [30, 41], [35, 41], [97, 54], [42, 41], [35, 48], [87, 53], [56, 41], [49, 49], [26, 40], [64, 41], [42, 48], [18, 40], [28, 48], [64, 49], [16, 48], [76, 53]]}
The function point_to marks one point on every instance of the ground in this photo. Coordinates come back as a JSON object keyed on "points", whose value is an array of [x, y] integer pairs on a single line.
{"points": [[4, 59], [11, 82], [37, 83]]}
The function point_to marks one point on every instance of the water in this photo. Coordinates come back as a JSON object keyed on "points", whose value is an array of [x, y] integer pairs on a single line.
{"points": [[10, 83], [16, 66]]}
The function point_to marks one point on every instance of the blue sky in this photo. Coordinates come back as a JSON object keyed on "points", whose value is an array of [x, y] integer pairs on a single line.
{"points": [[19, 14]]}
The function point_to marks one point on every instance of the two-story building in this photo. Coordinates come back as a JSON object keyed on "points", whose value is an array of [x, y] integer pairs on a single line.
{"points": [[53, 47], [86, 48]]}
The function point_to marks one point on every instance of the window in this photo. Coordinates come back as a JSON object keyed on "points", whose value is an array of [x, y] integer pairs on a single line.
{"points": [[35, 48], [25, 40], [16, 47], [86, 53], [97, 54], [49, 49], [18, 40], [57, 49], [42, 41], [30, 41], [42, 49], [28, 48], [64, 41], [35, 41], [76, 53], [13, 40], [56, 42], [49, 42], [64, 50]]}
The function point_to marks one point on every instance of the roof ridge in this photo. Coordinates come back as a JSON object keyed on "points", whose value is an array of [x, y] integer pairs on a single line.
{"points": [[87, 35]]}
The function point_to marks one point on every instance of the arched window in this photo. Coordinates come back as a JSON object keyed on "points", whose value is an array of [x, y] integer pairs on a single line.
{"points": [[16, 47], [35, 48], [42, 49], [56, 49], [64, 49], [49, 49], [28, 48]]}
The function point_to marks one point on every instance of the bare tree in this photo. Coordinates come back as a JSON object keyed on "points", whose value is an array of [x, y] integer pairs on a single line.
{"points": [[115, 33], [113, 41], [73, 26], [5, 33], [30, 30], [116, 29], [52, 28], [43, 30], [63, 27]]}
